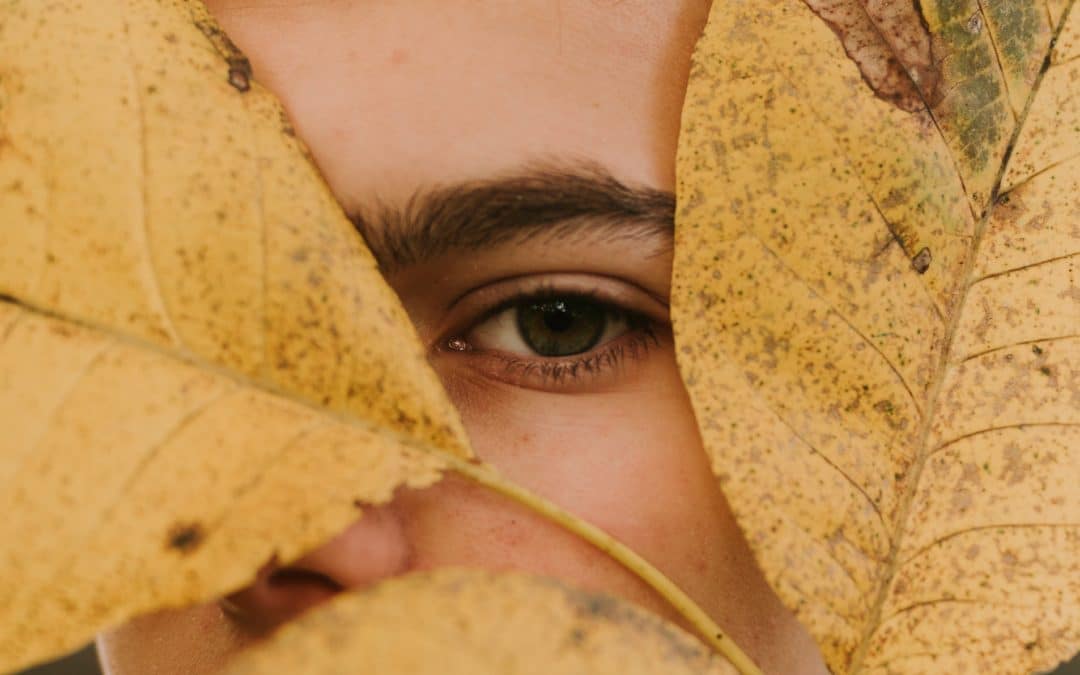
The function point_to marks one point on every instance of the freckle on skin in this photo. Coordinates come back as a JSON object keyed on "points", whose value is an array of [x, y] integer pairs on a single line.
{"points": [[398, 57], [701, 565]]}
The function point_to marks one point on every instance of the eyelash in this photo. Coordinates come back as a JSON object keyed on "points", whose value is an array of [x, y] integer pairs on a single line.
{"points": [[634, 344]]}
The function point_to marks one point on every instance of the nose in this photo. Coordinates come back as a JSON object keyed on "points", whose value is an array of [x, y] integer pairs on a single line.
{"points": [[372, 549]]}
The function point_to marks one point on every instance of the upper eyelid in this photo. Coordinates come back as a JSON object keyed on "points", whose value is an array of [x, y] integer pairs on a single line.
{"points": [[457, 299]]}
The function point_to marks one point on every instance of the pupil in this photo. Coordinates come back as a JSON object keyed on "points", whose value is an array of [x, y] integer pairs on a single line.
{"points": [[557, 318], [561, 326]]}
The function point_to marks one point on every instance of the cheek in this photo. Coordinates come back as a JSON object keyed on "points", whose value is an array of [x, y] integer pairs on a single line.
{"points": [[192, 641], [633, 449], [628, 460], [459, 524]]}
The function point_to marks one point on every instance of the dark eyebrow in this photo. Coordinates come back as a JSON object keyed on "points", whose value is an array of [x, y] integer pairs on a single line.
{"points": [[542, 201]]}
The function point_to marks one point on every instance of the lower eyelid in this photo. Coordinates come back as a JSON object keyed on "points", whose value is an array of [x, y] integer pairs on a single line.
{"points": [[577, 373]]}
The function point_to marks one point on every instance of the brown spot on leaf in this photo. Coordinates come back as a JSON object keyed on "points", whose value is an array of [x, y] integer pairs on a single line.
{"points": [[921, 261], [577, 636], [61, 329], [599, 605], [975, 24], [286, 124], [240, 73], [891, 45], [185, 537]]}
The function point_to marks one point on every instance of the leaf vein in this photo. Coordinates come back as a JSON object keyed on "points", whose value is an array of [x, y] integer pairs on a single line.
{"points": [[1019, 425], [70, 387], [973, 529], [823, 545], [1016, 344], [842, 317], [946, 600], [889, 225], [141, 231], [921, 95], [836, 467], [260, 215], [133, 476], [990, 29], [1064, 62], [287, 445], [16, 318], [1045, 169], [1028, 266]]}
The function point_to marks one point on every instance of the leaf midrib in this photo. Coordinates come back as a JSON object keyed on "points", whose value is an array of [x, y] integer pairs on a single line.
{"points": [[233, 376]]}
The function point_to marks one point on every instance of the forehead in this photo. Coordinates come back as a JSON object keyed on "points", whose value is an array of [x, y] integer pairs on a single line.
{"points": [[391, 95]]}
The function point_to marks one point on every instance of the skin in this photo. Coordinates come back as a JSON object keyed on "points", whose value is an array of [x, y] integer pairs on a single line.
{"points": [[394, 97]]}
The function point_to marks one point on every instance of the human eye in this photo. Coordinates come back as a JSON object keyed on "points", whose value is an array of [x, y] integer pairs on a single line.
{"points": [[559, 335]]}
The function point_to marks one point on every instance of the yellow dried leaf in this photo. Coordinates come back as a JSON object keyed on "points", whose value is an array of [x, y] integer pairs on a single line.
{"points": [[200, 364], [877, 307], [468, 622]]}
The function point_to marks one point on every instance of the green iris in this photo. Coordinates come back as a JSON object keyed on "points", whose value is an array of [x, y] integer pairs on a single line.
{"points": [[561, 326]]}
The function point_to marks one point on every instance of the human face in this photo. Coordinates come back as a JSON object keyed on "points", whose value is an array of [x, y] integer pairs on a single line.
{"points": [[536, 142]]}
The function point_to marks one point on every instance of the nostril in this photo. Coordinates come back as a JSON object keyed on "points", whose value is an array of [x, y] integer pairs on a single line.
{"points": [[370, 550], [276, 596], [292, 576]]}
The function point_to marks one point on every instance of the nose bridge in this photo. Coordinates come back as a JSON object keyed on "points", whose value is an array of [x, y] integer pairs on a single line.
{"points": [[371, 549]]}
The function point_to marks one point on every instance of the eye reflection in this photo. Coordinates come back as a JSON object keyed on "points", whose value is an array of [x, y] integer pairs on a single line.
{"points": [[549, 327]]}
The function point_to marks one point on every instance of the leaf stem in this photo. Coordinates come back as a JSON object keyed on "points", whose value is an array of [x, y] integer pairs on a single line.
{"points": [[486, 475]]}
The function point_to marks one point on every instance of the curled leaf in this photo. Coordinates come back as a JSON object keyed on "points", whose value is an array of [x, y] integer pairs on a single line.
{"points": [[455, 621]]}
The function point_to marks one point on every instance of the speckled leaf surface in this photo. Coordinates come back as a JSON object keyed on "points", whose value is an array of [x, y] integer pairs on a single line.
{"points": [[456, 621], [877, 311], [200, 365]]}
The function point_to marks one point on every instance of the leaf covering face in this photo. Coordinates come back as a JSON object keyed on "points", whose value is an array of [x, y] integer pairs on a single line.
{"points": [[878, 308], [159, 301]]}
